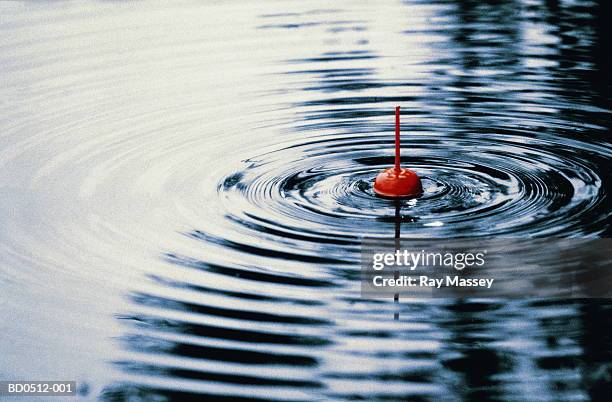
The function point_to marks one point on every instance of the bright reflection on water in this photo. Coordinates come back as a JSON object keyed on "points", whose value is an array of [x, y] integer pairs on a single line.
{"points": [[184, 187]]}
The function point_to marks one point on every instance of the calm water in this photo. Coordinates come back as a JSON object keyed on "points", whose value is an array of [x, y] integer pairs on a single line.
{"points": [[183, 190]]}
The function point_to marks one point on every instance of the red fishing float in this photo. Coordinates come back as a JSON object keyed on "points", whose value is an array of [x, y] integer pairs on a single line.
{"points": [[397, 182]]}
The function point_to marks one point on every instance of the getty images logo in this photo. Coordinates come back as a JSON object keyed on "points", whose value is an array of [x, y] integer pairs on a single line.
{"points": [[411, 260]]}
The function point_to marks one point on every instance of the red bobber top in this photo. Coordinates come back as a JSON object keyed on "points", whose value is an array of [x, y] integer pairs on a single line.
{"points": [[396, 182]]}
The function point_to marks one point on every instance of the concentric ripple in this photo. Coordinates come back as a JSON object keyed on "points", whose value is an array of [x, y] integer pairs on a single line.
{"points": [[478, 186]]}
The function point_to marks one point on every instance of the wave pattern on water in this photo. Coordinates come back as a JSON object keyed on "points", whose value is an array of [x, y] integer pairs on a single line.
{"points": [[185, 187]]}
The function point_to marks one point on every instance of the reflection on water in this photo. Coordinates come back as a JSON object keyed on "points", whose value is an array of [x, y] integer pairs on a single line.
{"points": [[185, 187]]}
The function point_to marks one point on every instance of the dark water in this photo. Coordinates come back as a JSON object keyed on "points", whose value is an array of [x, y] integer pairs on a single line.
{"points": [[184, 188]]}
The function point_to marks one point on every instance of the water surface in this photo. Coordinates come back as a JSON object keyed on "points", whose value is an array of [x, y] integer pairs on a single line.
{"points": [[184, 188]]}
